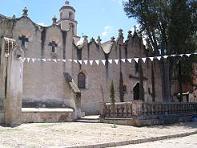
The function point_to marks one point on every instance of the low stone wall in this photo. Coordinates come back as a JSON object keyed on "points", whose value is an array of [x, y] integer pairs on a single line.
{"points": [[138, 113], [39, 115]]}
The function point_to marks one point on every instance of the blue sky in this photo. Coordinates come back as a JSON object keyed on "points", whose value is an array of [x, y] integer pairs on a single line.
{"points": [[95, 17]]}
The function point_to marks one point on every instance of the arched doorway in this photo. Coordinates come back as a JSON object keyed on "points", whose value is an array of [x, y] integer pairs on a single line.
{"points": [[136, 92]]}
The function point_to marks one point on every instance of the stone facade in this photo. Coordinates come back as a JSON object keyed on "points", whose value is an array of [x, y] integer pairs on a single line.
{"points": [[45, 83]]}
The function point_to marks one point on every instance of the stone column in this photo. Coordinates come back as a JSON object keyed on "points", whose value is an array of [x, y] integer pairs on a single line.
{"points": [[13, 96]]}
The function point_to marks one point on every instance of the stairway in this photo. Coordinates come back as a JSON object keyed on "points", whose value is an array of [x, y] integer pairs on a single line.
{"points": [[90, 119]]}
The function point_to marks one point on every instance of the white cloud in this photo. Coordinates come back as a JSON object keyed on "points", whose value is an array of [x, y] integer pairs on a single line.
{"points": [[107, 31], [118, 1]]}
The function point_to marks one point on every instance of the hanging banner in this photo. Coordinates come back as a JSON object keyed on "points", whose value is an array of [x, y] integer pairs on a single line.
{"points": [[151, 58], [136, 60], [144, 60], [97, 62], [54, 60], [28, 60], [33, 60], [116, 61], [91, 62], [110, 61], [129, 60], [123, 60], [44, 60], [165, 57], [103, 61], [85, 62], [159, 58], [64, 60], [80, 62]]}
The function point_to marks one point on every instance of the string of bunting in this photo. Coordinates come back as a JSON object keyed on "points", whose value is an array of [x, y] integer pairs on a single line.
{"points": [[98, 62]]}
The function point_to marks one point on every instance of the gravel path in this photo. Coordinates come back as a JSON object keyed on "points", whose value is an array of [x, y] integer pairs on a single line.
{"points": [[80, 134]]}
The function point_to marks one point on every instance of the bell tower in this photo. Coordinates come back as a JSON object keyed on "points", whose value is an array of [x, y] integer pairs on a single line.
{"points": [[67, 18]]}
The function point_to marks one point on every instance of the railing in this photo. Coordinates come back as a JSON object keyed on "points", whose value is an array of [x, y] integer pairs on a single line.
{"points": [[137, 108]]}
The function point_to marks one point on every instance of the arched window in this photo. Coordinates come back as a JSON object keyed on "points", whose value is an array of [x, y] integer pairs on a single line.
{"points": [[82, 80], [71, 16]]}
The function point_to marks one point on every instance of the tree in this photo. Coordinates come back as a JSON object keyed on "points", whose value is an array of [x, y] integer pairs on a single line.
{"points": [[169, 27]]}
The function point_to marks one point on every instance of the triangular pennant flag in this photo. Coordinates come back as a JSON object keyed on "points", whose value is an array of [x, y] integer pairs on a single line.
{"points": [[38, 59], [63, 60], [33, 60], [54, 60], [159, 58], [195, 53], [85, 61], [173, 55], [144, 60], [123, 60], [165, 57], [49, 60], [59, 60], [28, 60], [70, 60], [110, 61], [116, 61], [104, 62], [44, 60], [23, 60], [188, 55], [151, 58], [136, 60], [181, 55], [80, 61], [75, 61], [91, 62], [97, 62], [130, 60]]}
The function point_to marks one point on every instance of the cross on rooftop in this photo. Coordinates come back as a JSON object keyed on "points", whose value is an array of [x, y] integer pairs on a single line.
{"points": [[53, 45], [23, 39]]}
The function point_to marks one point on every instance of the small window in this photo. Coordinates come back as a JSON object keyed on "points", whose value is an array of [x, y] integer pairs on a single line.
{"points": [[136, 67], [82, 80], [71, 16]]}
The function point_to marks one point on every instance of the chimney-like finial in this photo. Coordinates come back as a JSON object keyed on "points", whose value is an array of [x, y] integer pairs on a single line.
{"points": [[54, 19], [66, 2], [25, 11], [99, 39], [120, 32]]}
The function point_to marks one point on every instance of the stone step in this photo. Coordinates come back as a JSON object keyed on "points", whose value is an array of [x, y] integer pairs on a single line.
{"points": [[90, 119]]}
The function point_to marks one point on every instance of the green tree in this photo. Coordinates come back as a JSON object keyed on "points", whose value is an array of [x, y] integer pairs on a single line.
{"points": [[169, 27]]}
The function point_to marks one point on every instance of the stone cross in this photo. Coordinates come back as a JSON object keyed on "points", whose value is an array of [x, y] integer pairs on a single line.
{"points": [[53, 45], [23, 39]]}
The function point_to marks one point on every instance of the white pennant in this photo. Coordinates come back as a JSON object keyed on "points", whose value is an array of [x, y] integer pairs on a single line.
{"points": [[70, 60], [80, 61], [85, 61], [91, 62], [75, 61], [97, 62], [173, 55], [116, 61], [123, 60], [144, 60], [165, 57], [181, 55], [59, 60], [104, 62], [23, 60], [63, 60], [136, 60], [159, 58], [33, 60], [54, 60], [44, 60], [151, 58], [130, 60], [49, 60], [188, 55], [110, 61], [28, 60], [38, 59]]}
